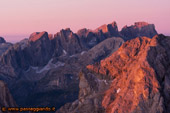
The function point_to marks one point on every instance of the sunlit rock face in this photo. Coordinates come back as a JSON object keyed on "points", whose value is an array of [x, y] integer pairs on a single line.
{"points": [[134, 79], [137, 30], [140, 70]]}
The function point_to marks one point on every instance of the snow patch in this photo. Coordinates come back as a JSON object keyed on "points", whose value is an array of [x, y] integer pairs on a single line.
{"points": [[105, 82], [50, 65], [98, 80], [73, 55], [64, 52], [31, 67], [54, 83], [82, 53], [93, 41], [47, 67], [35, 68], [118, 90]]}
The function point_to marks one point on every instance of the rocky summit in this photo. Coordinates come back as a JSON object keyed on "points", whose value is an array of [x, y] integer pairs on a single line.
{"points": [[140, 69], [138, 29], [4, 45], [134, 79], [91, 71], [109, 30], [69, 41], [2, 40]]}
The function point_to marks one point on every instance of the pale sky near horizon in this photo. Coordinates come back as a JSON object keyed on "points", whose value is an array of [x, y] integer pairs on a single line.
{"points": [[20, 18]]}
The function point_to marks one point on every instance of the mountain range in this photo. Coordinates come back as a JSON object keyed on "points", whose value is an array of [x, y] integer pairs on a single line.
{"points": [[91, 71]]}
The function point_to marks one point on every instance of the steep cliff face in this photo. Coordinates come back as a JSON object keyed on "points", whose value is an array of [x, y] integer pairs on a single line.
{"points": [[102, 50], [89, 38], [134, 79], [39, 45], [140, 69], [4, 45], [6, 99], [2, 40], [62, 81], [92, 87], [137, 30], [26, 53], [69, 41], [110, 30]]}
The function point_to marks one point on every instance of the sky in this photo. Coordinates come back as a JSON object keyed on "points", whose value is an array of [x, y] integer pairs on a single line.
{"points": [[20, 18]]}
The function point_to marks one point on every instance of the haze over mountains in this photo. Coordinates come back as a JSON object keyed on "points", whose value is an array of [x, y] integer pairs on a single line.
{"points": [[91, 71]]}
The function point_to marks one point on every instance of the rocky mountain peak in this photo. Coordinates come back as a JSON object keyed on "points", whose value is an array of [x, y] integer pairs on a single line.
{"points": [[38, 36], [109, 30], [141, 24], [103, 28], [138, 29], [90, 38], [51, 36], [64, 33], [139, 69], [67, 30], [4, 45], [68, 41], [2, 40], [83, 32], [114, 24]]}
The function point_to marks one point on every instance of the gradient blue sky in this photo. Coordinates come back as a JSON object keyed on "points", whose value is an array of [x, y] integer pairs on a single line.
{"points": [[19, 18]]}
